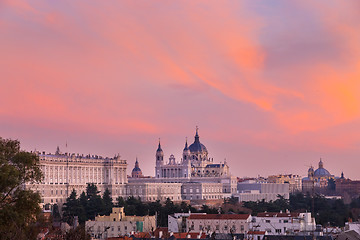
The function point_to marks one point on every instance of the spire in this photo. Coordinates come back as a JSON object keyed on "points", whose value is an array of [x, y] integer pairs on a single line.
{"points": [[159, 147], [342, 175], [197, 134], [186, 146], [136, 163]]}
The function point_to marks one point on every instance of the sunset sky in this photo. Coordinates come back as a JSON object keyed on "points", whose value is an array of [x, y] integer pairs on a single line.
{"points": [[272, 85]]}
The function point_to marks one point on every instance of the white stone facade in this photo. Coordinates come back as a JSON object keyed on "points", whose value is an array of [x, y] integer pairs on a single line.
{"points": [[150, 191], [65, 172], [195, 177], [199, 190], [195, 162], [199, 177]]}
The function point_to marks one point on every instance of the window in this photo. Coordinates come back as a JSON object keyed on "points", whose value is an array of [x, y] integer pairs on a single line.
{"points": [[200, 227], [225, 227], [217, 227], [112, 229], [278, 230], [267, 221], [286, 221], [118, 229]]}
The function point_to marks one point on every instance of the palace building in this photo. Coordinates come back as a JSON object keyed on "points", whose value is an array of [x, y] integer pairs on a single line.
{"points": [[64, 172], [194, 177]]}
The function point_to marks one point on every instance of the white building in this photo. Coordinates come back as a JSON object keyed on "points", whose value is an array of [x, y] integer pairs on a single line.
{"points": [[218, 223], [65, 172], [199, 176], [195, 162], [152, 191], [117, 224], [286, 223], [253, 190]]}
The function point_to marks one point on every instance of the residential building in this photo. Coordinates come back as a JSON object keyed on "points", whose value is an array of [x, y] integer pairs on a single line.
{"points": [[253, 190], [218, 223], [118, 224], [283, 223], [294, 181]]}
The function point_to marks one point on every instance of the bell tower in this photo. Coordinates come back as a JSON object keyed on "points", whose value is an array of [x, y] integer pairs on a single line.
{"points": [[159, 161]]}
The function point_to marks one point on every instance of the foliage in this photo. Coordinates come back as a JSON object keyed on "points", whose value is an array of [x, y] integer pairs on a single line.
{"points": [[71, 208], [90, 204], [19, 207], [78, 233], [55, 213], [108, 202]]}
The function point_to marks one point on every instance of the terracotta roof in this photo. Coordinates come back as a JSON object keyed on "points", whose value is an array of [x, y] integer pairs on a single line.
{"points": [[219, 216], [256, 232], [192, 235], [164, 230], [276, 214]]}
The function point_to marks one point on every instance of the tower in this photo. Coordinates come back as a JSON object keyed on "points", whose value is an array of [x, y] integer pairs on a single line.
{"points": [[159, 161], [186, 168], [186, 153], [311, 173], [159, 155]]}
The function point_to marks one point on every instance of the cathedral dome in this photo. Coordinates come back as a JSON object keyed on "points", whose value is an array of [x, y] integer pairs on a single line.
{"points": [[321, 171], [197, 147]]}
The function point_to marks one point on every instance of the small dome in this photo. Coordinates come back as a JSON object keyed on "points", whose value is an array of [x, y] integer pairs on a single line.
{"points": [[136, 172]]}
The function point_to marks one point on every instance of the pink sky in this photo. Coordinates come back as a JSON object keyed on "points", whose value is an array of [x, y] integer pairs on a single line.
{"points": [[272, 85]]}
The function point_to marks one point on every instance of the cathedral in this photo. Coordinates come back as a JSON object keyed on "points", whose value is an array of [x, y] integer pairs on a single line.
{"points": [[195, 162], [316, 178], [195, 177]]}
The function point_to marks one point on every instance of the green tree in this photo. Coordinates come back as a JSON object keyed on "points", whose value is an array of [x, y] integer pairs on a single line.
{"points": [[83, 203], [108, 202], [79, 233], [71, 208], [56, 213], [95, 203], [120, 202], [19, 207]]}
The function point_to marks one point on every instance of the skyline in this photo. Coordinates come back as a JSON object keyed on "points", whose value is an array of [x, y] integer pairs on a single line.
{"points": [[273, 86]]}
